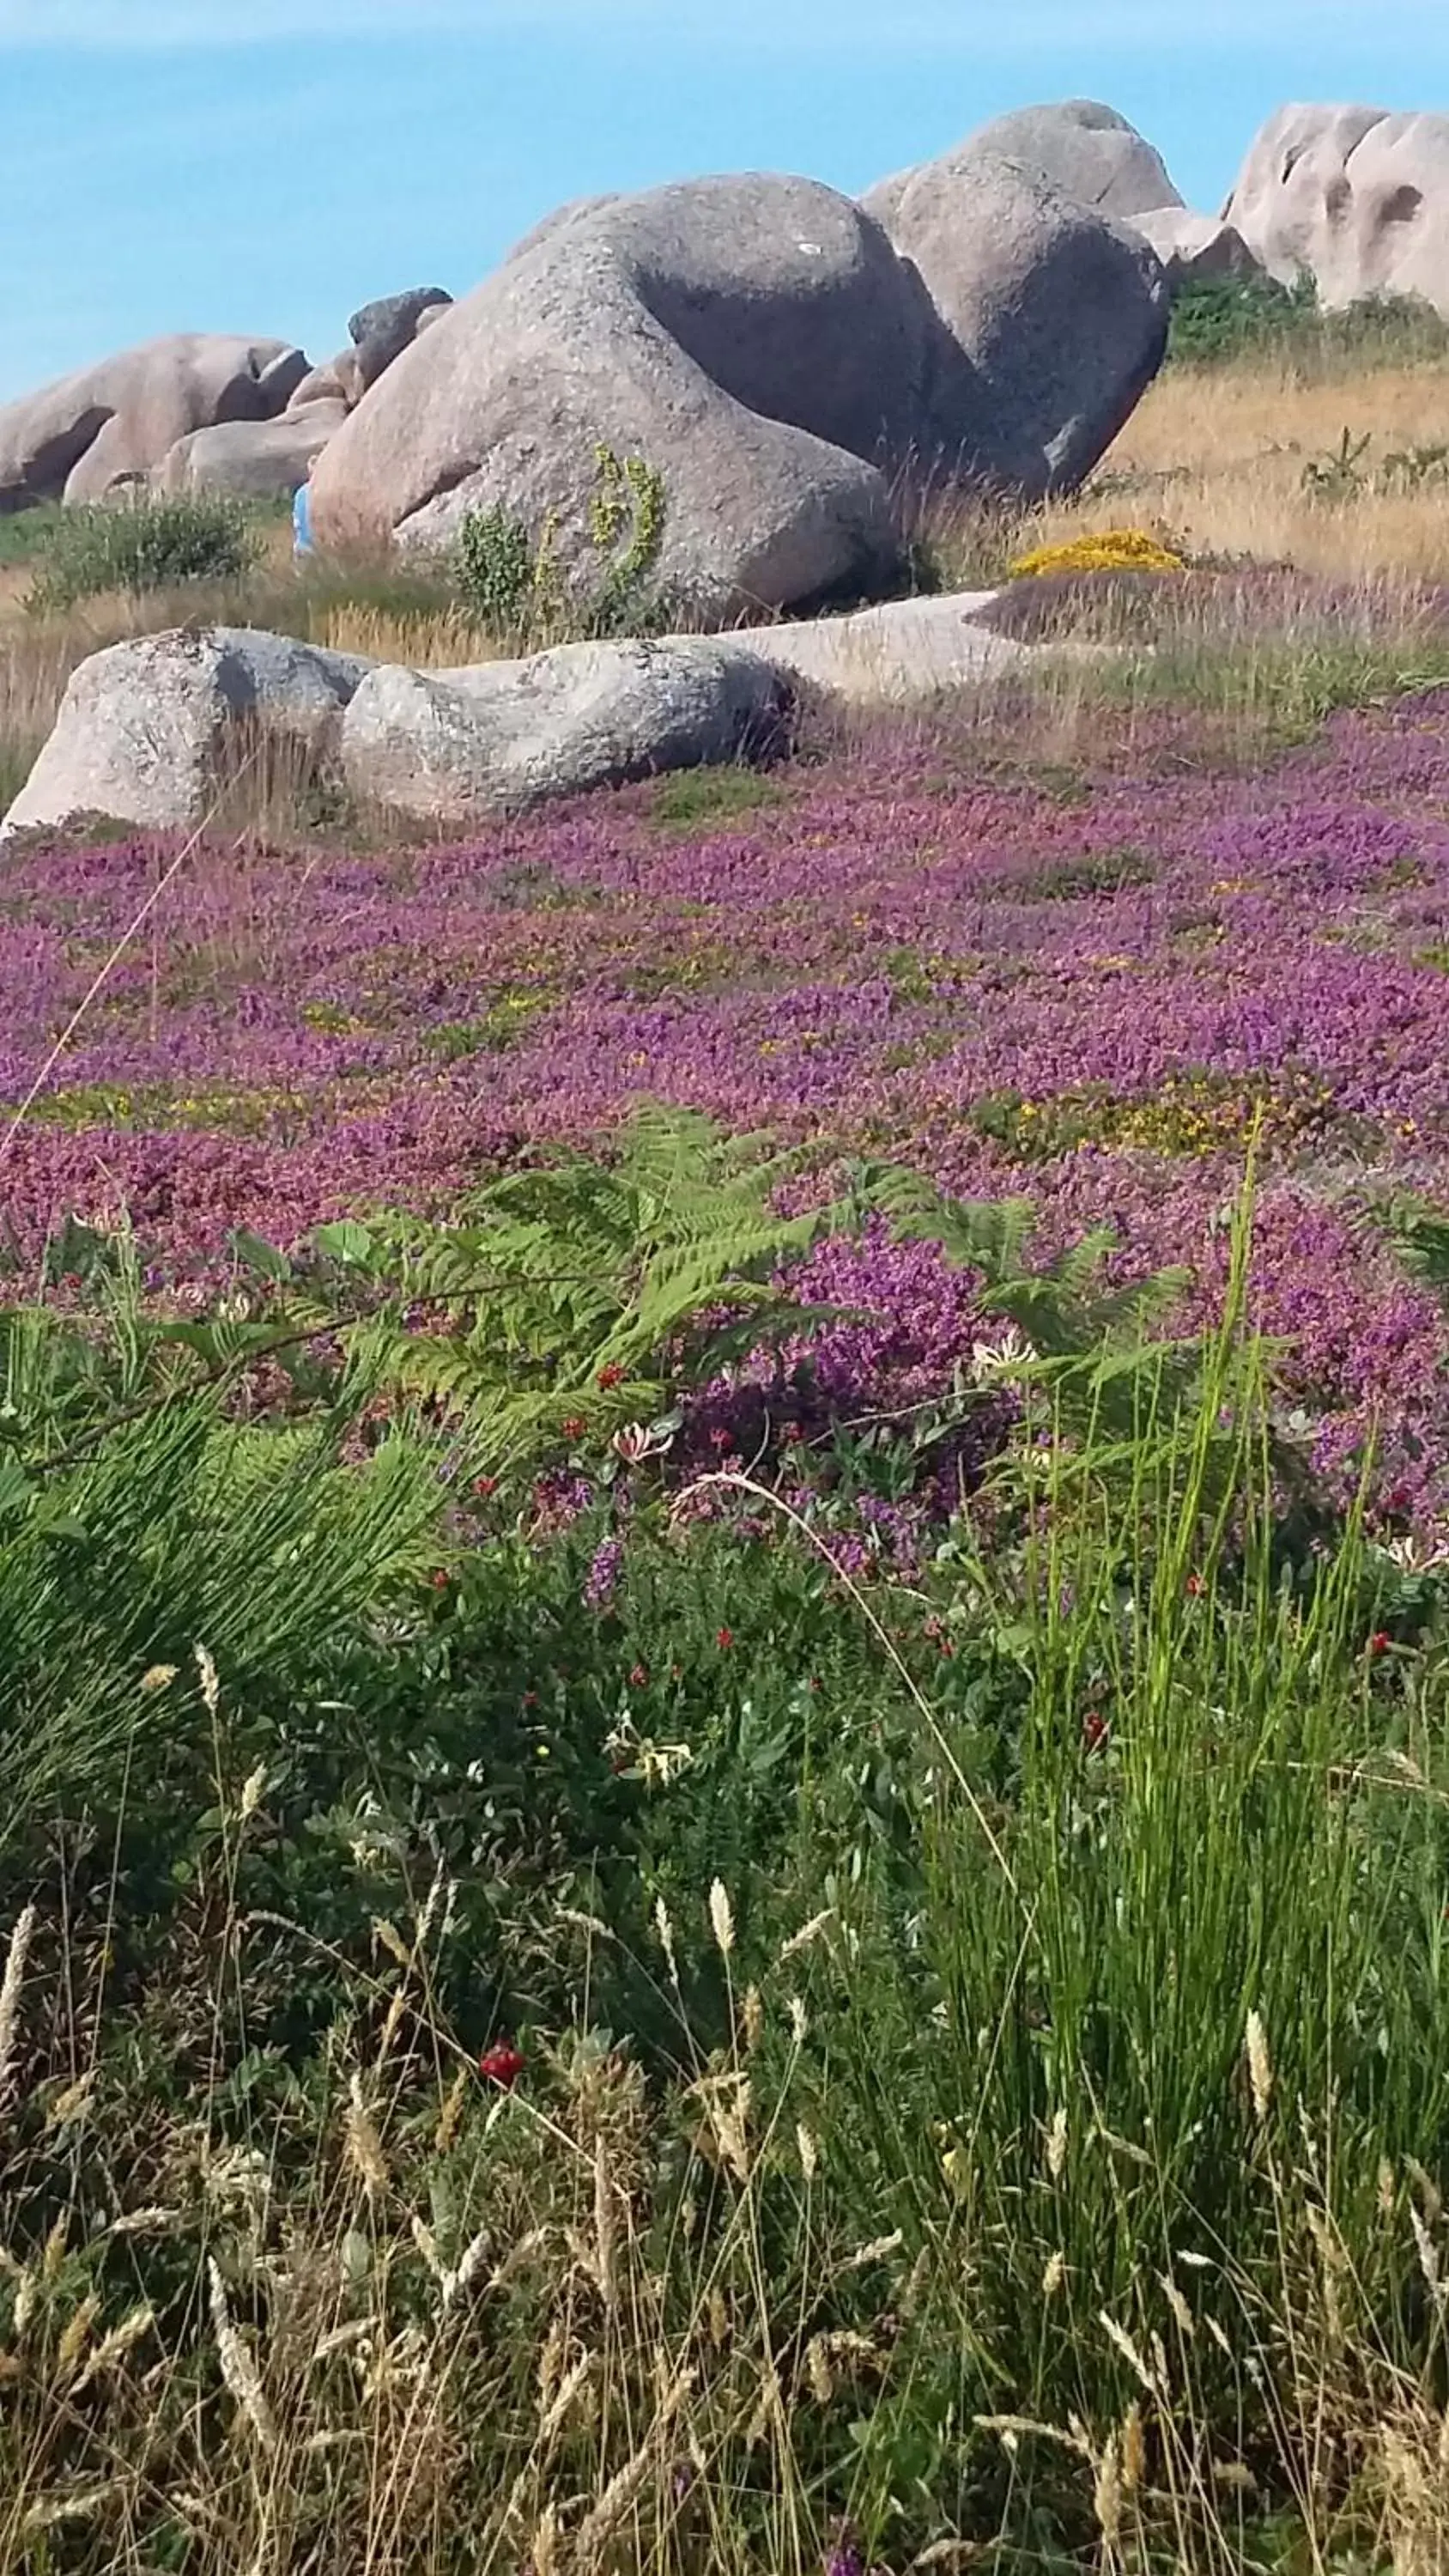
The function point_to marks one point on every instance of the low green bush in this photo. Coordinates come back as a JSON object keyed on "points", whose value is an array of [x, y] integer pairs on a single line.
{"points": [[24, 533], [1216, 321], [142, 545]]}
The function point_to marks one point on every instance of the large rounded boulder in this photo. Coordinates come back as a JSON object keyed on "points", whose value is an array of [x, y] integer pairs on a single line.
{"points": [[1089, 152], [113, 423], [752, 340], [776, 355], [1055, 317], [1357, 199]]}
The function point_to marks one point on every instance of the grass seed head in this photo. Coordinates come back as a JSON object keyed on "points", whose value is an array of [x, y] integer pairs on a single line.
{"points": [[807, 1934], [452, 2285], [76, 2336], [721, 1916], [114, 2347], [238, 2369], [1133, 2451], [1260, 2067], [1107, 2496], [363, 2143], [10, 1986]]}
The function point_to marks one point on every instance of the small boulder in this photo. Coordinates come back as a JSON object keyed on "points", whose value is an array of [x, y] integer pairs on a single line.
{"points": [[337, 379], [1196, 248], [252, 459], [143, 727], [1356, 198], [451, 749], [381, 331], [111, 424]]}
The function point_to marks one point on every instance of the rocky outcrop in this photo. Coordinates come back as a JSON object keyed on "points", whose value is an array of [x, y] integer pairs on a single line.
{"points": [[111, 424], [453, 749], [1353, 196], [775, 354], [753, 339], [148, 729], [903, 652], [144, 727]]}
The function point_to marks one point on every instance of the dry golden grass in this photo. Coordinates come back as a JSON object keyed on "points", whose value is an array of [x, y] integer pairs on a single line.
{"points": [[1217, 456], [425, 639]]}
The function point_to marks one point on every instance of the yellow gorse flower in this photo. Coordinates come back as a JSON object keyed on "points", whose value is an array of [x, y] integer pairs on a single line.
{"points": [[1109, 550]]}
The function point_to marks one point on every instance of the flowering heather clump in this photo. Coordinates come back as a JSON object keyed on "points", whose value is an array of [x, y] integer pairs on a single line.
{"points": [[1094, 1001]]}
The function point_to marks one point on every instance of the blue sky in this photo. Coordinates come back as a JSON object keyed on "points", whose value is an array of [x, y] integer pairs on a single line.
{"points": [[265, 165]]}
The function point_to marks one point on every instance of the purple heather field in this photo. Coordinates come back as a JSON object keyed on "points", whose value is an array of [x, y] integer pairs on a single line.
{"points": [[1087, 992]]}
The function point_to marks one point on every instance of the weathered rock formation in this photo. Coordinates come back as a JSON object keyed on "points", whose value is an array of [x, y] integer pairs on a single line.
{"points": [[109, 425], [1357, 198]]}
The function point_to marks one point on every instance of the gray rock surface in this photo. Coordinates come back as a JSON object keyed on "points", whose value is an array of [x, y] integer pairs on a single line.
{"points": [[1088, 151], [380, 331], [252, 459], [1056, 318], [337, 379], [451, 749], [903, 651], [754, 339], [111, 424], [1357, 198], [144, 725]]}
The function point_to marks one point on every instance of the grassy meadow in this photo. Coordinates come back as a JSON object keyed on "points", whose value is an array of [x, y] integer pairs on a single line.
{"points": [[724, 1596]]}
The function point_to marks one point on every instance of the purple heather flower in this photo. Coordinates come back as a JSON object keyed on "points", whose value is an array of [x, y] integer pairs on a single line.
{"points": [[925, 969], [603, 1575], [845, 2556]]}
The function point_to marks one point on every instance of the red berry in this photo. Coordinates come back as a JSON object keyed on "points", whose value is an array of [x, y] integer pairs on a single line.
{"points": [[502, 2064], [724, 1639], [1380, 1642], [1095, 1730], [610, 1377], [640, 1677], [439, 1579]]}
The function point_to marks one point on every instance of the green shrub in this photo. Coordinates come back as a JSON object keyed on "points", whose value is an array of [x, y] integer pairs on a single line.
{"points": [[140, 545], [516, 587], [1217, 320], [500, 573], [24, 533]]}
